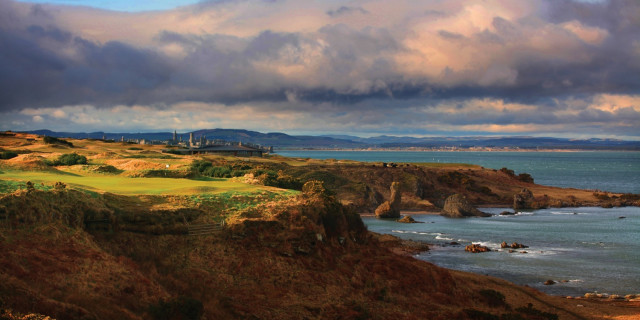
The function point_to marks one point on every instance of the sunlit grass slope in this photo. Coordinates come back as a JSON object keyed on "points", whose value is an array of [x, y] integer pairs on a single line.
{"points": [[134, 186]]}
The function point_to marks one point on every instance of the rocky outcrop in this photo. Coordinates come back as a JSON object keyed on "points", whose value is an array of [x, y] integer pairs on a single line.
{"points": [[457, 206], [514, 245], [408, 219], [476, 248], [523, 200], [391, 208]]}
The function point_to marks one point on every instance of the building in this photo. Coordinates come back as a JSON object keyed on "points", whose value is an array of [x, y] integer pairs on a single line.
{"points": [[237, 150]]}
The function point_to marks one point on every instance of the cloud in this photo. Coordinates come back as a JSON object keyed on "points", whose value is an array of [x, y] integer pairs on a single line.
{"points": [[459, 63], [343, 10], [599, 116]]}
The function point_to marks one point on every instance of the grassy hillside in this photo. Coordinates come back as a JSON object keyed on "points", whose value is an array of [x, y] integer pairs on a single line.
{"points": [[109, 239]]}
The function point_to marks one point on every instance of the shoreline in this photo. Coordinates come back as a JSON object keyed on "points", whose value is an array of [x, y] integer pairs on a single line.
{"points": [[408, 248]]}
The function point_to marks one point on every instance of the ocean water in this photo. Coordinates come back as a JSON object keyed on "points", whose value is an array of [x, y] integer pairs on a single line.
{"points": [[582, 249], [607, 171]]}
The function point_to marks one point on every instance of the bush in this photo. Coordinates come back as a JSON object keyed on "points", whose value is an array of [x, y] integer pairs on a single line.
{"points": [[52, 140], [8, 155], [179, 308], [509, 172], [493, 298], [455, 178], [207, 169], [69, 159], [278, 180], [538, 314], [525, 177], [134, 148]]}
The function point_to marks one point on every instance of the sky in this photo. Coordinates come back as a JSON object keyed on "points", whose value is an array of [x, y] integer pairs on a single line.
{"points": [[562, 68]]}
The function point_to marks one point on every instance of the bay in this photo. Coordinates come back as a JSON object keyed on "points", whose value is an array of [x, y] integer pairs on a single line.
{"points": [[591, 170], [582, 249]]}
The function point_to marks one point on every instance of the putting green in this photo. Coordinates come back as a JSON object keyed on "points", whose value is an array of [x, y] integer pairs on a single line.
{"points": [[134, 186]]}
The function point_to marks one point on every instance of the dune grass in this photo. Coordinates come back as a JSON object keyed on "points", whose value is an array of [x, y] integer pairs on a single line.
{"points": [[133, 186]]}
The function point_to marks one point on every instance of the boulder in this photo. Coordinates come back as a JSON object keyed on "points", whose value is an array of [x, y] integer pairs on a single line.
{"points": [[391, 208], [514, 245], [457, 206], [407, 219], [476, 248], [507, 213], [549, 282], [523, 200]]}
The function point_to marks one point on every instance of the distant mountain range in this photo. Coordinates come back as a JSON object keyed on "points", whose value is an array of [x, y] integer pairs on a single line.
{"points": [[283, 140]]}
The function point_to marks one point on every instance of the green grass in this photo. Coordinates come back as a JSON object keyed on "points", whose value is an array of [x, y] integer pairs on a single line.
{"points": [[8, 186], [128, 186], [234, 201]]}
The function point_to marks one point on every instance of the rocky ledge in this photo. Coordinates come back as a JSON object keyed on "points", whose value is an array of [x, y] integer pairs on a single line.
{"points": [[476, 248], [457, 206]]}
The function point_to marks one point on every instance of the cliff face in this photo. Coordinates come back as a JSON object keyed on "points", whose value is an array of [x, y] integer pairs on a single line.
{"points": [[309, 257], [424, 187]]}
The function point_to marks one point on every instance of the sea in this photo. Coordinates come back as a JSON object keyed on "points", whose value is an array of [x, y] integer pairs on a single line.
{"points": [[582, 250]]}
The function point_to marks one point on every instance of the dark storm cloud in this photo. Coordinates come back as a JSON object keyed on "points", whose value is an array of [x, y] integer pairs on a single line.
{"points": [[47, 66], [563, 49]]}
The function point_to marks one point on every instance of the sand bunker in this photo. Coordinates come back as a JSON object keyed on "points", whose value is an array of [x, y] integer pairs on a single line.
{"points": [[105, 155], [28, 162], [134, 164]]}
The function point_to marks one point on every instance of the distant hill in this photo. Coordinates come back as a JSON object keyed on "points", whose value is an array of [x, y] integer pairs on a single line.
{"points": [[497, 142], [283, 140], [275, 139]]}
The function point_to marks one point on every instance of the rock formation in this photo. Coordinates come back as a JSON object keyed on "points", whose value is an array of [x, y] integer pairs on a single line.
{"points": [[391, 208], [514, 245], [476, 248], [457, 206], [408, 219], [523, 200]]}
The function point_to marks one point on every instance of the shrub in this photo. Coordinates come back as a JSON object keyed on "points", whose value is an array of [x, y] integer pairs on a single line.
{"points": [[525, 177], [8, 155], [278, 180], [69, 159], [179, 308], [455, 178], [314, 188], [479, 315], [509, 172], [530, 310], [134, 148], [207, 169], [52, 140], [493, 298]]}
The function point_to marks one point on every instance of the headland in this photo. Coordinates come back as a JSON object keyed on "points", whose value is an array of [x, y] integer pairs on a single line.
{"points": [[96, 229]]}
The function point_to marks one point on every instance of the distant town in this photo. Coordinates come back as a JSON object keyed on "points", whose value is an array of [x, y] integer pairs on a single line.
{"points": [[273, 141]]}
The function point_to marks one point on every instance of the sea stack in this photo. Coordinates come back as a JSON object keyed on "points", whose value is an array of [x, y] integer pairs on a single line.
{"points": [[523, 200], [457, 206], [391, 208]]}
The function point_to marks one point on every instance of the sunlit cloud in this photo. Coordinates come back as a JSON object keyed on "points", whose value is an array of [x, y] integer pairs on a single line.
{"points": [[516, 66]]}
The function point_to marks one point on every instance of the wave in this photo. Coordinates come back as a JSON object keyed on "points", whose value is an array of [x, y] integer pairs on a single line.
{"points": [[566, 213]]}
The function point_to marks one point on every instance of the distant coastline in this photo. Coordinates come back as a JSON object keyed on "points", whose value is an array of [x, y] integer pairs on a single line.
{"points": [[457, 149]]}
